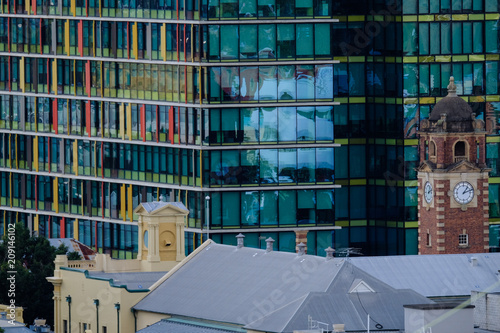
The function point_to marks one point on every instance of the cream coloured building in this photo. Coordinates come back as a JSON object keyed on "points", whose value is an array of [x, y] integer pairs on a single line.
{"points": [[97, 295]]}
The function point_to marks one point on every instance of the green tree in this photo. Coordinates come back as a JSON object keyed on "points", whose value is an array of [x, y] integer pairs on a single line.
{"points": [[34, 261]]}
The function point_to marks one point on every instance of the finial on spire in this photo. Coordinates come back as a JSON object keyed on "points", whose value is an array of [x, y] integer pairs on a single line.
{"points": [[452, 88]]}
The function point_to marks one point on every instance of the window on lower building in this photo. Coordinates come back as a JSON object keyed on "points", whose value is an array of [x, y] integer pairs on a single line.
{"points": [[104, 329], [428, 241], [65, 326], [463, 240]]}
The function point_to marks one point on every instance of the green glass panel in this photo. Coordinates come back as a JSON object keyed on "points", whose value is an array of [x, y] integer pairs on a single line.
{"points": [[322, 34], [287, 203], [269, 207]]}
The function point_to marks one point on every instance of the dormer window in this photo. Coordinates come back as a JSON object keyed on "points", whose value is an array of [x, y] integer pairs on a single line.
{"points": [[460, 151]]}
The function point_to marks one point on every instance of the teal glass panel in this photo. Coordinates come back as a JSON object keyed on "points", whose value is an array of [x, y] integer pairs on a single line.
{"points": [[249, 83], [286, 41], [357, 79], [357, 203], [477, 5], [467, 5], [249, 167], [492, 77], [435, 45], [267, 41], [467, 37], [304, 40], [268, 83], [287, 205], [435, 80], [286, 241], [423, 38], [324, 123], [305, 124], [287, 172], [424, 80], [357, 161], [248, 41], [324, 82], [410, 7], [286, 83], [213, 42], [456, 5], [250, 124], [305, 82], [248, 8], [229, 8], [215, 209], [268, 124], [457, 37], [341, 159], [434, 6], [445, 38], [306, 165], [458, 75], [411, 240], [491, 37], [250, 208], [491, 6], [324, 165], [306, 213], [268, 166], [410, 80], [477, 30], [266, 8], [411, 36], [287, 128], [230, 209], [229, 44], [269, 207], [468, 79], [322, 34]]}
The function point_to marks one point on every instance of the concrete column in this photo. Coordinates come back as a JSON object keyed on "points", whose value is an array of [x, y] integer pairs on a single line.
{"points": [[141, 238]]}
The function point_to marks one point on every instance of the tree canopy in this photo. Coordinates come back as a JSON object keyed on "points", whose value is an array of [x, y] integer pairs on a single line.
{"points": [[34, 261]]}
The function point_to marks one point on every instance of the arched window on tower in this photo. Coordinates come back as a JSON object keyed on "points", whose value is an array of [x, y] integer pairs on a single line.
{"points": [[460, 151], [432, 151]]}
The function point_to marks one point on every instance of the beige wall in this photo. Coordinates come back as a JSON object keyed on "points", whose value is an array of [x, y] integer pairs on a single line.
{"points": [[145, 319], [83, 291]]}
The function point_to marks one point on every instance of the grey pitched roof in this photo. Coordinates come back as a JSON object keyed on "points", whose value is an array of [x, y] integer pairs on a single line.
{"points": [[227, 284], [181, 326], [436, 275], [275, 291], [154, 205], [131, 280], [337, 305]]}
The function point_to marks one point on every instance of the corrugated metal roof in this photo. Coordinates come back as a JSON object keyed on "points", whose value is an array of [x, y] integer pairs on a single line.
{"points": [[132, 280], [154, 205], [168, 326], [275, 291], [227, 284], [337, 305], [435, 275]]}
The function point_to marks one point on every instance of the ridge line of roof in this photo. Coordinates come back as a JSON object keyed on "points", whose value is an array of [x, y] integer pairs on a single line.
{"points": [[176, 268]]}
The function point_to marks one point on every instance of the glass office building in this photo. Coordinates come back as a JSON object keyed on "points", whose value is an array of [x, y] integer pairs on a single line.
{"points": [[287, 114]]}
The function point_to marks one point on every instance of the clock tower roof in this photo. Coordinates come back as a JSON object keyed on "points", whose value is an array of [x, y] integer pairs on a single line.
{"points": [[455, 108]]}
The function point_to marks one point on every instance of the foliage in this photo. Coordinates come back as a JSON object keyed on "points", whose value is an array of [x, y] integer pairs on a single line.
{"points": [[74, 256], [34, 262]]}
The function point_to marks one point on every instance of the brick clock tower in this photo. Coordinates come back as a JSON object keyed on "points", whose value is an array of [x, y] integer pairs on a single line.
{"points": [[452, 180]]}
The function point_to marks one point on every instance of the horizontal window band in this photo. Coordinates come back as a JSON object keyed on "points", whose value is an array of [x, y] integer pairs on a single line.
{"points": [[172, 21], [172, 62], [186, 105]]}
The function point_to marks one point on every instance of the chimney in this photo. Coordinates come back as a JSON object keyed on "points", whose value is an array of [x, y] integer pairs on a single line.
{"points": [[240, 239], [473, 261], [301, 237], [269, 244], [302, 249], [329, 253]]}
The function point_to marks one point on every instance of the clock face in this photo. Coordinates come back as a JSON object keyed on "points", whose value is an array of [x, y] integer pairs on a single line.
{"points": [[463, 193], [428, 192]]}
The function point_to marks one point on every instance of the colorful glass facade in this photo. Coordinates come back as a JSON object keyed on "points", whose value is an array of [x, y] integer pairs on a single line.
{"points": [[287, 114]]}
